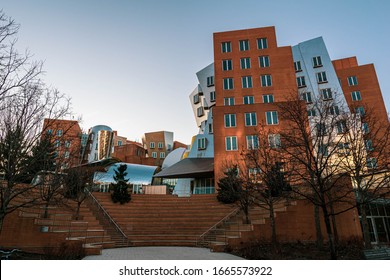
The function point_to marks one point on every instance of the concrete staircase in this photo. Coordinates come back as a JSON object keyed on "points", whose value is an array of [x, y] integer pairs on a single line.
{"points": [[165, 220]]}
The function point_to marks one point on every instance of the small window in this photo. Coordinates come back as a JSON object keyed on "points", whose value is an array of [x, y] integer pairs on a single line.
{"points": [[201, 143], [230, 120], [297, 66], [250, 99], [317, 62], [154, 154], [245, 63], [321, 129], [352, 81], [271, 117], [246, 82], [268, 98], [227, 65], [67, 154], [341, 127], [343, 148], [334, 110], [326, 94], [196, 99], [210, 128], [262, 43], [264, 61], [160, 145], [301, 81], [244, 45], [250, 119], [323, 150], [311, 113], [228, 83], [372, 162], [210, 81], [368, 145], [57, 143], [200, 111], [307, 97], [360, 110], [252, 142], [162, 154], [226, 47], [212, 96], [231, 143], [49, 132], [356, 96], [274, 141], [59, 132], [152, 145], [67, 144], [365, 128], [228, 101], [266, 80], [321, 77]]}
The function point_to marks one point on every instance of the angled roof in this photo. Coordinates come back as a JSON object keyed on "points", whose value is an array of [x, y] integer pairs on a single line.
{"points": [[189, 168]]}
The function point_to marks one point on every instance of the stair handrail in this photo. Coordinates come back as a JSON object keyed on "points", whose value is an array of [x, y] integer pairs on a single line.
{"points": [[111, 220], [227, 217]]}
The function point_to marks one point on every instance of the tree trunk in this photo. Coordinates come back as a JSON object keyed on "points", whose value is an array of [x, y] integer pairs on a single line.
{"points": [[320, 238], [273, 224], [334, 225], [2, 217], [329, 232], [46, 213], [365, 227], [78, 210]]}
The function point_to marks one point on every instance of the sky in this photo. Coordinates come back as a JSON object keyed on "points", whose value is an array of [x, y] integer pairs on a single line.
{"points": [[132, 64]]}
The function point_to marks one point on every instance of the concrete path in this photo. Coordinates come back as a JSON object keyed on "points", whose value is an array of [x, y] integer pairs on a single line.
{"points": [[161, 253]]}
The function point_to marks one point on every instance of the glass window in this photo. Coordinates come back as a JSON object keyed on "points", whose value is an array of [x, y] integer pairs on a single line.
{"points": [[321, 77], [321, 129], [262, 43], [227, 65], [368, 145], [317, 62], [264, 61], [68, 143], [160, 145], [162, 154], [246, 82], [230, 120], [360, 110], [326, 94], [271, 117], [341, 127], [228, 83], [356, 96], [67, 154], [301, 81], [334, 110], [365, 128], [50, 131], [210, 81], [311, 112], [152, 145], [231, 143], [57, 143], [196, 99], [268, 98], [244, 45], [201, 143], [59, 132], [228, 101], [297, 66], [352, 81], [274, 141], [154, 154], [307, 97], [226, 47], [200, 111], [212, 96], [323, 149], [266, 80], [245, 63], [249, 99], [252, 142], [250, 119]]}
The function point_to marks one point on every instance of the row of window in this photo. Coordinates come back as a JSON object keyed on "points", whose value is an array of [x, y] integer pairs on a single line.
{"points": [[160, 145], [247, 82], [248, 99], [59, 132], [316, 61], [244, 45], [230, 120], [245, 63], [196, 98], [252, 142], [57, 143], [154, 155]]}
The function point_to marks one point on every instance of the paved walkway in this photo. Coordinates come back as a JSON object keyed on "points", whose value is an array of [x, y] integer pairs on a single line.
{"points": [[161, 253]]}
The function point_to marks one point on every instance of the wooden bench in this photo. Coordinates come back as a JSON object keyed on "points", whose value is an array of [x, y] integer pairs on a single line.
{"points": [[377, 254]]}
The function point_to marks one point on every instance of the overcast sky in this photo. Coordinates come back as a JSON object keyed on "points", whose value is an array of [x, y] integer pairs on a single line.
{"points": [[131, 64]]}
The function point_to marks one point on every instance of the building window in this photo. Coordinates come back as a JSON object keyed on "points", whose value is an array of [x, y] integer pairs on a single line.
{"points": [[271, 117], [274, 141], [200, 111], [230, 120], [368, 145], [326, 94], [196, 99], [231, 143], [210, 128], [341, 127], [307, 97], [57, 143], [249, 99], [67, 144], [59, 132], [343, 148], [321, 129], [160, 145], [301, 81], [317, 62], [334, 110], [228, 83], [352, 81], [162, 154], [360, 110], [246, 82], [152, 145], [372, 162], [323, 150], [212, 96], [244, 45], [268, 98], [210, 81], [201, 143], [262, 43], [356, 96], [67, 154], [266, 80], [297, 66], [228, 101], [227, 65], [365, 128], [311, 112], [245, 63], [49, 132], [321, 77], [250, 119], [154, 154], [119, 143], [252, 142], [226, 47], [264, 61]]}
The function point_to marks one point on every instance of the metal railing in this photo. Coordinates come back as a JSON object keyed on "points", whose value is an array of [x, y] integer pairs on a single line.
{"points": [[107, 219]]}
